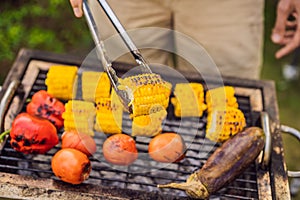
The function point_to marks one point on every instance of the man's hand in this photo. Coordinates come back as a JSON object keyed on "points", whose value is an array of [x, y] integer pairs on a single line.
{"points": [[286, 32], [77, 7]]}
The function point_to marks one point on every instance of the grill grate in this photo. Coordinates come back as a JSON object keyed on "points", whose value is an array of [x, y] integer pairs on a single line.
{"points": [[144, 174]]}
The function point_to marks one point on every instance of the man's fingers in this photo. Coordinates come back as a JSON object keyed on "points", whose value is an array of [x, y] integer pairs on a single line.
{"points": [[283, 11], [289, 33], [285, 50], [291, 45], [77, 7]]}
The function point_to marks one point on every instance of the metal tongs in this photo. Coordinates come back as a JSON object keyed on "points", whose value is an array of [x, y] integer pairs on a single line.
{"points": [[126, 95]]}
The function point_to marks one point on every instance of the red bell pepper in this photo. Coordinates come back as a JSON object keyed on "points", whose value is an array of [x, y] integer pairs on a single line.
{"points": [[46, 106], [31, 134]]}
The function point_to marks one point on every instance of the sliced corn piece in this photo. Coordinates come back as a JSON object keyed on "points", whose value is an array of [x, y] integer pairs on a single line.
{"points": [[109, 115], [149, 125], [109, 123], [61, 81], [224, 123], [221, 96], [188, 100], [95, 85], [148, 90], [79, 116]]}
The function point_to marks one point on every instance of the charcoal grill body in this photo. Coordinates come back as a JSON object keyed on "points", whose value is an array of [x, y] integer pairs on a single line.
{"points": [[30, 68]]}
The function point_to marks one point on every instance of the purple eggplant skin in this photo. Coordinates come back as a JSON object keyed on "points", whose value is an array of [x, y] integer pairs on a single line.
{"points": [[231, 159], [226, 163]]}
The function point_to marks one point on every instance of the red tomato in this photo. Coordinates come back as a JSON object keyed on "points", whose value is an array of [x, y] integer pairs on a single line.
{"points": [[167, 148], [79, 141], [71, 166], [120, 149]]}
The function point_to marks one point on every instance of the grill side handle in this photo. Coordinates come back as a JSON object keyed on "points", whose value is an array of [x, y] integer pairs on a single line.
{"points": [[294, 132], [265, 123], [4, 104]]}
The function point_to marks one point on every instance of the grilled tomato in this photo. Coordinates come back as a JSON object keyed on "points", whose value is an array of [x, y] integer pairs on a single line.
{"points": [[71, 165], [167, 148], [120, 149], [80, 141]]}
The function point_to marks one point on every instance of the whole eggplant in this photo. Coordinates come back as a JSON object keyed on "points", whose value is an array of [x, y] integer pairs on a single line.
{"points": [[224, 165]]}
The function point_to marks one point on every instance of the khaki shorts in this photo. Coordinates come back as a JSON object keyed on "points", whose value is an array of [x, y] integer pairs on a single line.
{"points": [[230, 31]]}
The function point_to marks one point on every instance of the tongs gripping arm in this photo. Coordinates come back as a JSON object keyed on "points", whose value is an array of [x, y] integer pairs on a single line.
{"points": [[124, 95], [99, 45]]}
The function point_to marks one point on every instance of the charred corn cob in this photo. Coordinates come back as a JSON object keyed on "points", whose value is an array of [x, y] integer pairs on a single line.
{"points": [[109, 113], [188, 100], [79, 116], [224, 123], [221, 97], [61, 81], [148, 90], [149, 125], [95, 85]]}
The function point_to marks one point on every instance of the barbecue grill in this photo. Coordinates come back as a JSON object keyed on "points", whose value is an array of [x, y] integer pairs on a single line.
{"points": [[31, 177]]}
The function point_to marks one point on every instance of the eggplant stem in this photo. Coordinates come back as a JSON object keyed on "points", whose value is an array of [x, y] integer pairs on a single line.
{"points": [[180, 186], [193, 187], [3, 135]]}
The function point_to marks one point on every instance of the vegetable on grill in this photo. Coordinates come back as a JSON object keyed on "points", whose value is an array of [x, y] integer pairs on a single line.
{"points": [[221, 97], [44, 105], [167, 148], [188, 100], [80, 141], [149, 125], [31, 134], [109, 112], [61, 81], [71, 165], [148, 90], [120, 149], [79, 116], [224, 165], [95, 85], [223, 123]]}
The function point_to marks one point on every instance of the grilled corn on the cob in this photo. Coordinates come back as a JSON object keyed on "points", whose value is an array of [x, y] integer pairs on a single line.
{"points": [[61, 81], [95, 85], [221, 97], [149, 125], [148, 90], [109, 112], [79, 116], [188, 100], [224, 123]]}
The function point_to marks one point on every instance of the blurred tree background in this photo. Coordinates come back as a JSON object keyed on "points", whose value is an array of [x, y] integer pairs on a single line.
{"points": [[51, 26], [45, 25]]}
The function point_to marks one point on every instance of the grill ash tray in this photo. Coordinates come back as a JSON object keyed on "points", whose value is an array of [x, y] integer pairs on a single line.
{"points": [[32, 173]]}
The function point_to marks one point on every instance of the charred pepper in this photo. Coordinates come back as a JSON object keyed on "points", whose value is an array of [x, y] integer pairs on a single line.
{"points": [[31, 134], [46, 106]]}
